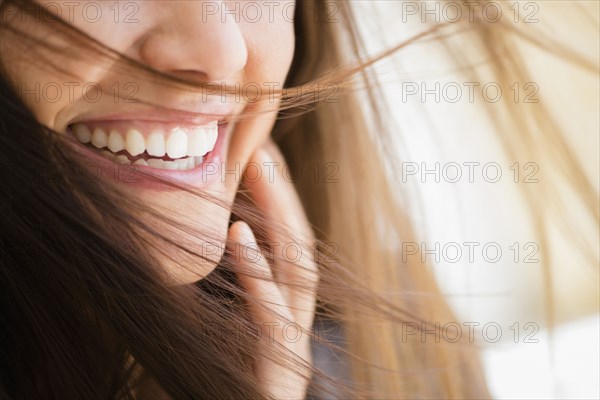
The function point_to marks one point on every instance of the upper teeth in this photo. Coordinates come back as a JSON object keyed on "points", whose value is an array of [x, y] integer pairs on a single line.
{"points": [[176, 143]]}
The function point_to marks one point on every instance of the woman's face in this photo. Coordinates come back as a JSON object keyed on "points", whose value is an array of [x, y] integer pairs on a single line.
{"points": [[245, 44]]}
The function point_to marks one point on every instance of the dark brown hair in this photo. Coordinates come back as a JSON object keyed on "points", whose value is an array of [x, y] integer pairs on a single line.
{"points": [[86, 313]]}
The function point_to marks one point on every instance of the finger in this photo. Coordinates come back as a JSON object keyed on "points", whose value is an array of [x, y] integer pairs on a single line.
{"points": [[270, 312], [255, 275], [290, 232], [275, 195]]}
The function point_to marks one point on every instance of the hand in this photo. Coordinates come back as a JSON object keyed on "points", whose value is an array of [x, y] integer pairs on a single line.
{"points": [[287, 296]]}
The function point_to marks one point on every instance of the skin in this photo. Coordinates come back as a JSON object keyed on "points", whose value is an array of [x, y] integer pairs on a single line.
{"points": [[179, 39]]}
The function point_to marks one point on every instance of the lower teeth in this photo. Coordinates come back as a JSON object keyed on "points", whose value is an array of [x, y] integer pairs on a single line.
{"points": [[179, 164]]}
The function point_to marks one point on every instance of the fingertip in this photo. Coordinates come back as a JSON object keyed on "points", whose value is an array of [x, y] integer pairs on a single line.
{"points": [[240, 232], [250, 261]]}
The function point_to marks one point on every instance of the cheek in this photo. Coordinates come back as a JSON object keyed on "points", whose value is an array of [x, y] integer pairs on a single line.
{"points": [[271, 51], [45, 90], [271, 46], [40, 87]]}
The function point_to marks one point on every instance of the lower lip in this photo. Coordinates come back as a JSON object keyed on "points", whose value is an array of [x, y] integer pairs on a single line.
{"points": [[144, 177]]}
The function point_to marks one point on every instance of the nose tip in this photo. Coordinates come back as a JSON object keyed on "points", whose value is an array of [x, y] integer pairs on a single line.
{"points": [[207, 48]]}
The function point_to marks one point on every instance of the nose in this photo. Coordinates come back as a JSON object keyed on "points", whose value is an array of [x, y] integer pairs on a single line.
{"points": [[188, 39]]}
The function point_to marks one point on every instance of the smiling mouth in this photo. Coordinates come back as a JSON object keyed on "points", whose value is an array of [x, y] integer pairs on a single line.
{"points": [[150, 144]]}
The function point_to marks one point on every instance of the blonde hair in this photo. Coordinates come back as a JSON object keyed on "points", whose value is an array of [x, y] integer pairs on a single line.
{"points": [[361, 211]]}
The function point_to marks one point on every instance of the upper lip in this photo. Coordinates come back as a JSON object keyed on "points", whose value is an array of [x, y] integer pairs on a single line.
{"points": [[166, 115]]}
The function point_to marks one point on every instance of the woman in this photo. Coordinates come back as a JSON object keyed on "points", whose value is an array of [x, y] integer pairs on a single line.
{"points": [[147, 148]]}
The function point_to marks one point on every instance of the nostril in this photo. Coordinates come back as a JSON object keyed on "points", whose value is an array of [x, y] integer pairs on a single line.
{"points": [[196, 50], [190, 75]]}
